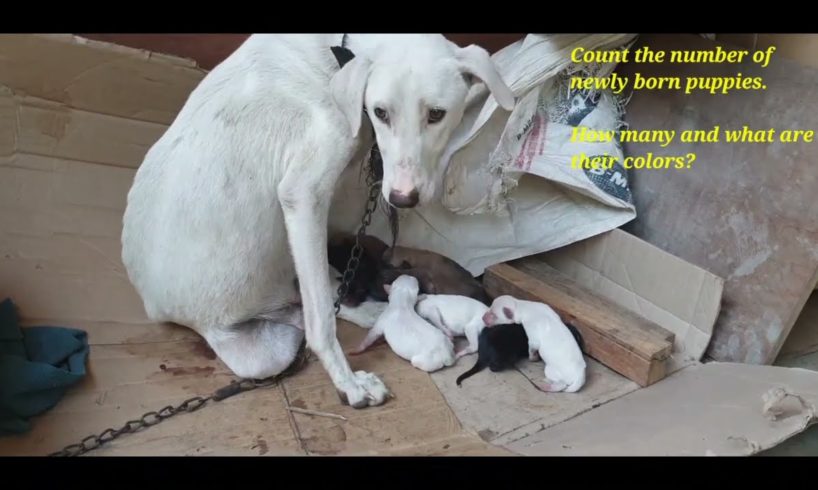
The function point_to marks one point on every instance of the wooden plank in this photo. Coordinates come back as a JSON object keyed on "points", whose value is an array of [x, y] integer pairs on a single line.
{"points": [[540, 269], [625, 342], [744, 211]]}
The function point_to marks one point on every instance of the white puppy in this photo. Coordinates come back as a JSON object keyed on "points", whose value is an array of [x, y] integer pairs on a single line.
{"points": [[409, 335], [455, 316], [548, 337]]}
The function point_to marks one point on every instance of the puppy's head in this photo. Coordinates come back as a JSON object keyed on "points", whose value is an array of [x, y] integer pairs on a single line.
{"points": [[414, 89], [503, 310], [403, 286]]}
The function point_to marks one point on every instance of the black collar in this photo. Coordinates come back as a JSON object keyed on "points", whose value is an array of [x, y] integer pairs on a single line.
{"points": [[343, 54]]}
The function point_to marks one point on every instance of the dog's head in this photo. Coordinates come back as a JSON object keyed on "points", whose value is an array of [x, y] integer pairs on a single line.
{"points": [[414, 89], [503, 310]]}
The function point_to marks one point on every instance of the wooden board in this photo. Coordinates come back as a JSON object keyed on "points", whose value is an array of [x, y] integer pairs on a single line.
{"points": [[745, 211], [625, 342]]}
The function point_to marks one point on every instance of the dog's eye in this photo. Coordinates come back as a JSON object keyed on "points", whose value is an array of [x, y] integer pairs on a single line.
{"points": [[435, 115], [381, 114]]}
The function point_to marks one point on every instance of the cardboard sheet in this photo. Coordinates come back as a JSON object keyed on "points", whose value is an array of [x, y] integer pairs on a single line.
{"points": [[705, 410]]}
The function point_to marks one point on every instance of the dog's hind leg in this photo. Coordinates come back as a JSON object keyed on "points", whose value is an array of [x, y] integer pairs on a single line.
{"points": [[257, 348], [472, 331]]}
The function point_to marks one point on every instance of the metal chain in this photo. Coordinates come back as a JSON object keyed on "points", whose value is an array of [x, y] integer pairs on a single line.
{"points": [[150, 419], [373, 183]]}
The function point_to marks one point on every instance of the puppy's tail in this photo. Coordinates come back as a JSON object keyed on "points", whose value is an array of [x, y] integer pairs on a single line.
{"points": [[577, 337], [478, 366]]}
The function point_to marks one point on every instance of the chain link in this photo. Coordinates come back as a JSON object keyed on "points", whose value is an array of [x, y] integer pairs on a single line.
{"points": [[190, 405], [373, 183], [149, 419]]}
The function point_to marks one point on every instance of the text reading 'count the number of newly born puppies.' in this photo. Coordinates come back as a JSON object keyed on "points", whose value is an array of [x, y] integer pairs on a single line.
{"points": [[712, 86]]}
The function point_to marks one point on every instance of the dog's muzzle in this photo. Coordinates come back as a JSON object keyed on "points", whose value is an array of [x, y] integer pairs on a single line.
{"points": [[403, 200]]}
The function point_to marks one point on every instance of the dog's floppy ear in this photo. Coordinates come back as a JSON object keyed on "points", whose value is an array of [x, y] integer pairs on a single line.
{"points": [[475, 61], [348, 87]]}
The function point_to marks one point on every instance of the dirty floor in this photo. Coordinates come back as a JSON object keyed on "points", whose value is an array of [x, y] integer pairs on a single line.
{"points": [[138, 368]]}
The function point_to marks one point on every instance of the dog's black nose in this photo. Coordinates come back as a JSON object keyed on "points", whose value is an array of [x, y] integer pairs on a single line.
{"points": [[401, 200]]}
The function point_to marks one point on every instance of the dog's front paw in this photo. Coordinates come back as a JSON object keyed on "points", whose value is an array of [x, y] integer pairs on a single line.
{"points": [[365, 390]]}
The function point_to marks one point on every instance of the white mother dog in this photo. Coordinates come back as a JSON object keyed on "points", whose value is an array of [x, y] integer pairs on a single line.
{"points": [[232, 203]]}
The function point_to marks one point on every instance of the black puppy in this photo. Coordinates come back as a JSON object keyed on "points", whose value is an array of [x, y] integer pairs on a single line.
{"points": [[339, 249], [577, 337], [499, 348]]}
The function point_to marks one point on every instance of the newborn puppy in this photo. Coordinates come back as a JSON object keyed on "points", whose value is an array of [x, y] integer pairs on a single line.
{"points": [[455, 316], [339, 250], [436, 273], [548, 337], [499, 347], [410, 336], [380, 265], [364, 314]]}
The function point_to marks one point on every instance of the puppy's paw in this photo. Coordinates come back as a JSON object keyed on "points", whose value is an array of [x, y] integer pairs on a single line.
{"points": [[549, 387], [463, 352]]}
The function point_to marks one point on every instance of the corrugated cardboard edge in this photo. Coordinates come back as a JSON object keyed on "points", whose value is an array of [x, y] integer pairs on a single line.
{"points": [[124, 50]]}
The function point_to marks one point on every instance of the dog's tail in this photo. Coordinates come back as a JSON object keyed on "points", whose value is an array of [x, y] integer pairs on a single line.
{"points": [[478, 366], [577, 337]]}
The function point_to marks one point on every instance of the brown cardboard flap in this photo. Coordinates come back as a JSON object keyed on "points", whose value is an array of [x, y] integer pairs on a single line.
{"points": [[675, 294], [46, 128], [98, 77]]}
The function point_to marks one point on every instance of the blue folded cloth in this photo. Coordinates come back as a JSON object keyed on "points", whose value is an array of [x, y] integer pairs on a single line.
{"points": [[37, 366]]}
